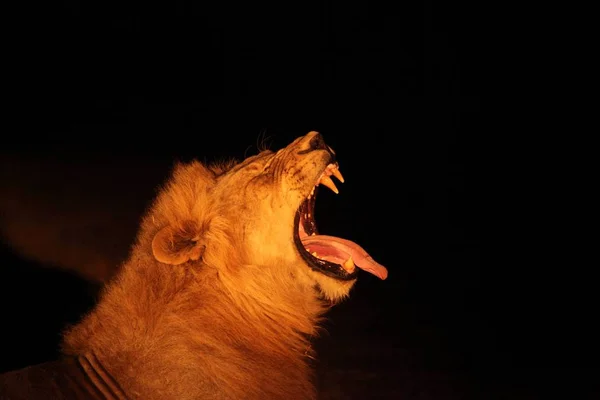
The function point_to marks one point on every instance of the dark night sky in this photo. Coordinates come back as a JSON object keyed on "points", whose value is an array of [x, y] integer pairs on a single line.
{"points": [[398, 90]]}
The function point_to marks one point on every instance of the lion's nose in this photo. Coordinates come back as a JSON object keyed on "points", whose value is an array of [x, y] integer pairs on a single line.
{"points": [[315, 142], [307, 141]]}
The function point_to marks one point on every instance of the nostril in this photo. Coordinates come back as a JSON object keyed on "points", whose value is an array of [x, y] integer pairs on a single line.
{"points": [[317, 142]]}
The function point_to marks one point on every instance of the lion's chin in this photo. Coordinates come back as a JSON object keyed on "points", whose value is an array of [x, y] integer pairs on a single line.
{"points": [[333, 290]]}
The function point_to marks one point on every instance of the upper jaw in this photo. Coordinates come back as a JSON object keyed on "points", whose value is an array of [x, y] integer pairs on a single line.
{"points": [[325, 177]]}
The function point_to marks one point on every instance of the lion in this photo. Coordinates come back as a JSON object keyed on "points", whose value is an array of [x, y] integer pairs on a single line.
{"points": [[222, 292]]}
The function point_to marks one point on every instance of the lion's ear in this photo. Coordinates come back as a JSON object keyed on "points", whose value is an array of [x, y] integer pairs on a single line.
{"points": [[172, 245]]}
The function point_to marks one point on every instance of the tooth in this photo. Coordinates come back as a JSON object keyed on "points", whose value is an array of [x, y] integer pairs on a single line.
{"points": [[326, 181], [313, 234], [336, 172], [349, 265], [314, 254]]}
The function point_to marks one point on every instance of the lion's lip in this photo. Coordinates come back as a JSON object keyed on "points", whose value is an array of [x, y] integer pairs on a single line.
{"points": [[344, 249], [332, 256], [306, 227]]}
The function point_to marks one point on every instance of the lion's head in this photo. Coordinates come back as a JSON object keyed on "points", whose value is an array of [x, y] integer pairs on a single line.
{"points": [[225, 284], [258, 212]]}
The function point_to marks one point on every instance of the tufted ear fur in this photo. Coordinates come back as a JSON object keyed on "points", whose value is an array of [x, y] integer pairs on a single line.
{"points": [[177, 245]]}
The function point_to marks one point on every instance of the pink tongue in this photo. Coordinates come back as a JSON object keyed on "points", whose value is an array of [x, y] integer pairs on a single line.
{"points": [[331, 247]]}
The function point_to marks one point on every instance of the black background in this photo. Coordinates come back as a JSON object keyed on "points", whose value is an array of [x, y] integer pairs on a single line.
{"points": [[471, 308]]}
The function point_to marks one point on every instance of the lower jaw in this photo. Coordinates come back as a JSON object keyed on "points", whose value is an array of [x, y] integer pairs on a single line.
{"points": [[321, 266]]}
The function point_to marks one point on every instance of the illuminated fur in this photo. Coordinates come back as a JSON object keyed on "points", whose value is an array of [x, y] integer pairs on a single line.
{"points": [[214, 300]]}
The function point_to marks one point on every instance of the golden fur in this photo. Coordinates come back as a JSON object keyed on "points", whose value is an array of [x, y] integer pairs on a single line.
{"points": [[214, 301]]}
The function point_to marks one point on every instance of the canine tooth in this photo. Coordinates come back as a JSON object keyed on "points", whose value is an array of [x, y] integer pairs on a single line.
{"points": [[313, 234], [336, 172], [314, 254], [349, 265], [326, 181]]}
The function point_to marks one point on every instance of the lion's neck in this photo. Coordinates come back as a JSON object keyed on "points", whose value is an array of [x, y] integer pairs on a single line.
{"points": [[177, 336]]}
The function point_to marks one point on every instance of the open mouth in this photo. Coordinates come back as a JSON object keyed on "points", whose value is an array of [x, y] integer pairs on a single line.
{"points": [[330, 255]]}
